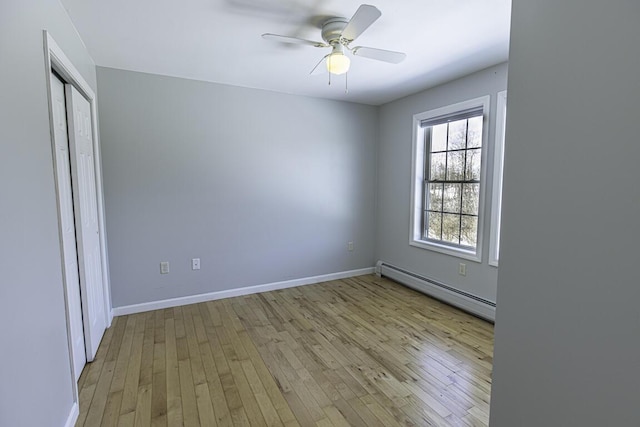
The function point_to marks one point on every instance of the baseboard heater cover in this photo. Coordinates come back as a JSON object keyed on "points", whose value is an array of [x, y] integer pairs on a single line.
{"points": [[468, 302]]}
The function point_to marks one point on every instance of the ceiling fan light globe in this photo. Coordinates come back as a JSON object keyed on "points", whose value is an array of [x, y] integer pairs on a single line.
{"points": [[338, 63]]}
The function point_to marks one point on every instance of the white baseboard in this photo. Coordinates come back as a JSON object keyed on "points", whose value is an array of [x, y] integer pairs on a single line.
{"points": [[194, 299], [73, 415], [463, 300]]}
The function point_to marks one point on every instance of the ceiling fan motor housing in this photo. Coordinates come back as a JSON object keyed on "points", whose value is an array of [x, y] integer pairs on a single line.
{"points": [[332, 30]]}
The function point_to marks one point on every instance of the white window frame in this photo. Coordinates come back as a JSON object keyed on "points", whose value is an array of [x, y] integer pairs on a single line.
{"points": [[498, 168], [417, 179]]}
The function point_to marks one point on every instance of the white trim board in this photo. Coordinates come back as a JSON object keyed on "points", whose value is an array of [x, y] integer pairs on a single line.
{"points": [[498, 169], [440, 291], [229, 293], [73, 415]]}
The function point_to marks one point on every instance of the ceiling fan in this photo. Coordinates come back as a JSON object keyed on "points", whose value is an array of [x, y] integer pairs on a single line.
{"points": [[338, 34]]}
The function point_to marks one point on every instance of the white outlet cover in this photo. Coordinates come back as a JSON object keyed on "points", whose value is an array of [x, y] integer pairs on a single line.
{"points": [[462, 269], [164, 267]]}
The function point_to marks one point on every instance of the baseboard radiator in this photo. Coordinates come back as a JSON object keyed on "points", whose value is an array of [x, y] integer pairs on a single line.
{"points": [[448, 294]]}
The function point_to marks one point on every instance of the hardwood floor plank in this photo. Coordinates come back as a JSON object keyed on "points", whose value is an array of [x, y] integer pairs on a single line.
{"points": [[385, 417], [85, 397], [128, 419], [216, 390], [362, 351], [130, 392], [143, 406], [174, 399], [159, 380], [197, 369], [146, 361], [269, 412], [267, 380], [99, 401], [364, 413], [336, 417], [187, 389], [159, 399], [95, 370], [249, 401], [325, 422], [205, 407], [111, 412], [122, 363]]}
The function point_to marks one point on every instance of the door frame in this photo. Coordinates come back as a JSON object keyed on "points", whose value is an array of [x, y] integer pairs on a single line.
{"points": [[56, 60]]}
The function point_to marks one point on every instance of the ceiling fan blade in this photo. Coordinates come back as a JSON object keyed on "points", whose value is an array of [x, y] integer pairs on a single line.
{"points": [[379, 54], [319, 68], [360, 21], [295, 40]]}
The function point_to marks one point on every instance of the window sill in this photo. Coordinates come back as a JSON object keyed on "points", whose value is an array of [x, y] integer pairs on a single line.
{"points": [[447, 250]]}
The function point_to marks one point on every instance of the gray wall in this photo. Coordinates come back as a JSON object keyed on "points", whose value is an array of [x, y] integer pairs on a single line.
{"points": [[394, 184], [261, 186], [568, 325], [35, 385]]}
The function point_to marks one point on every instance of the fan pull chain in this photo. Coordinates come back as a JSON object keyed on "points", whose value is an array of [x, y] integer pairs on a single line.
{"points": [[346, 82]]}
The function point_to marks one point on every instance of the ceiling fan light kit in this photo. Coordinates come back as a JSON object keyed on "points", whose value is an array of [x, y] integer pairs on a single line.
{"points": [[339, 33], [337, 62]]}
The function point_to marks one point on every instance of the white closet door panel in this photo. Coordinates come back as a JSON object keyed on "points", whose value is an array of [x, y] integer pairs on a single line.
{"points": [[67, 225], [86, 214]]}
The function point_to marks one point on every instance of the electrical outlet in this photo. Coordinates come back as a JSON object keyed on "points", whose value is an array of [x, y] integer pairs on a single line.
{"points": [[462, 269], [164, 267], [195, 264], [350, 246]]}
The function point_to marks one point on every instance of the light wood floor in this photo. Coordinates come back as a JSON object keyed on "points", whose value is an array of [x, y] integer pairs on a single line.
{"points": [[363, 351]]}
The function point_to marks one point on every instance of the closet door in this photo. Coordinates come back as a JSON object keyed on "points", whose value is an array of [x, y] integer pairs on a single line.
{"points": [[67, 226], [85, 204]]}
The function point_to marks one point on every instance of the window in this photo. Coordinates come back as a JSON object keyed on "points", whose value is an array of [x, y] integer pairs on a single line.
{"points": [[448, 171], [498, 163]]}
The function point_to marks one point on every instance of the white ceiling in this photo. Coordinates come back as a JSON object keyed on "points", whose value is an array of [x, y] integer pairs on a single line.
{"points": [[219, 41]]}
